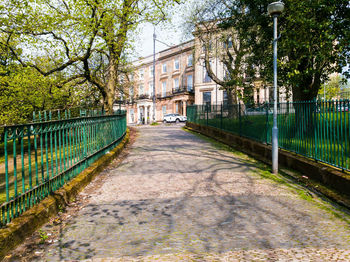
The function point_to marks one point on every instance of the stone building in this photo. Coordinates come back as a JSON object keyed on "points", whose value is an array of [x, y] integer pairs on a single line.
{"points": [[219, 43], [174, 78]]}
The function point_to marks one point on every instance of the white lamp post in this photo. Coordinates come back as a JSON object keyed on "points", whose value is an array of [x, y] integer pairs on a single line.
{"points": [[154, 74], [275, 9]]}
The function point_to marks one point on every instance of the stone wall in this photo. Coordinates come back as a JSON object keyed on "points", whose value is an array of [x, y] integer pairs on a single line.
{"points": [[326, 175]]}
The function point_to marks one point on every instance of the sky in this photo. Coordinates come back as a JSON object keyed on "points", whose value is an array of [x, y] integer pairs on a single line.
{"points": [[171, 33], [144, 46]]}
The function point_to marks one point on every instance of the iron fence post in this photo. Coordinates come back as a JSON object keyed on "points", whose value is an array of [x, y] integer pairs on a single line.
{"points": [[207, 108], [240, 119], [221, 112], [267, 123]]}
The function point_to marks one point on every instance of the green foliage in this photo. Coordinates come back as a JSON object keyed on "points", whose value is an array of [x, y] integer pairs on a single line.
{"points": [[331, 89], [225, 44], [43, 236], [313, 44], [24, 90], [78, 40]]}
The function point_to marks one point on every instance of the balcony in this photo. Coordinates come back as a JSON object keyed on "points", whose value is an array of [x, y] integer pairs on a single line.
{"points": [[183, 90], [130, 101], [165, 95], [143, 96]]}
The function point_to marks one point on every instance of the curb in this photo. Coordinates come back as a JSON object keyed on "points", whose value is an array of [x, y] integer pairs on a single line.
{"points": [[314, 175], [26, 224]]}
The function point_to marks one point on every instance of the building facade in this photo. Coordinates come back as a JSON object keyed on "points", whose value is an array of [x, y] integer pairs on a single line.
{"points": [[217, 44], [181, 79], [174, 85]]}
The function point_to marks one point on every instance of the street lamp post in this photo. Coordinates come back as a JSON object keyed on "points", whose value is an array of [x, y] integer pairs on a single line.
{"points": [[154, 74], [275, 9]]}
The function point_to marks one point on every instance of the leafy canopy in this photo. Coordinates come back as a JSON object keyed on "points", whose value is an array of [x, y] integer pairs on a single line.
{"points": [[314, 40], [85, 40]]}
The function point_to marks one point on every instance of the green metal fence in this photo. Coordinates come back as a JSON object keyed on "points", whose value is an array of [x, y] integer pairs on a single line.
{"points": [[40, 157], [316, 129], [74, 112]]}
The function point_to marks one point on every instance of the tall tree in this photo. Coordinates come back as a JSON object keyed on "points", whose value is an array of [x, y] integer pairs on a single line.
{"points": [[331, 89], [314, 41], [219, 40], [24, 90], [85, 39]]}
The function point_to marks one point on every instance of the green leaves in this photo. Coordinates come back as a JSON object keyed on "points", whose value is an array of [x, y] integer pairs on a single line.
{"points": [[81, 39], [312, 44]]}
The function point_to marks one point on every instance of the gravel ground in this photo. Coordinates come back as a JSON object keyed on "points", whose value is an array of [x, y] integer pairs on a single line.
{"points": [[175, 197]]}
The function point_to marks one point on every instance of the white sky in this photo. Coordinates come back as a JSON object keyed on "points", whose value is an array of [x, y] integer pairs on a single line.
{"points": [[171, 33], [144, 46]]}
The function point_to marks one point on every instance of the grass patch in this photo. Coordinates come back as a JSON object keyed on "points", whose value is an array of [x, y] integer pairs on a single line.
{"points": [[264, 171], [325, 138], [155, 124]]}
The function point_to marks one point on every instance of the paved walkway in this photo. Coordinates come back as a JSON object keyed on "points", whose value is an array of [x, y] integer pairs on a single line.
{"points": [[177, 198]]}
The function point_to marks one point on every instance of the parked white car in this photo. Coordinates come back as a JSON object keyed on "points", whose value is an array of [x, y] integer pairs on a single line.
{"points": [[174, 118]]}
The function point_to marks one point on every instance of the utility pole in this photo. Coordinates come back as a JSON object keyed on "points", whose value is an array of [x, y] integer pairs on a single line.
{"points": [[275, 9], [154, 74]]}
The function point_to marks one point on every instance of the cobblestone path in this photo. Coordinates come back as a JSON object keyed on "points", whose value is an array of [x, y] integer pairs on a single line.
{"points": [[177, 197]]}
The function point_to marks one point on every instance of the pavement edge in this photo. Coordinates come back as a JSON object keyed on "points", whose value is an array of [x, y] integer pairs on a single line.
{"points": [[26, 224], [307, 172]]}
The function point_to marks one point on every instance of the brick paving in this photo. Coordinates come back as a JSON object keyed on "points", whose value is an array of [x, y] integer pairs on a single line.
{"points": [[175, 197]]}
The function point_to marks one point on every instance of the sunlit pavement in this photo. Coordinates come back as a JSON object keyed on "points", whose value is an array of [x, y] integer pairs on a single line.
{"points": [[177, 198]]}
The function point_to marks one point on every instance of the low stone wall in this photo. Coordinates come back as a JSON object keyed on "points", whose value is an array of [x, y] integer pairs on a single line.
{"points": [[26, 224], [326, 175]]}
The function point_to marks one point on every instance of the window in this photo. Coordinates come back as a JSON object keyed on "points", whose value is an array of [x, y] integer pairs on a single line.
{"points": [[141, 73], [226, 73], [164, 68], [207, 44], [176, 64], [122, 79], [206, 98], [164, 110], [131, 91], [132, 115], [164, 89], [150, 88], [176, 84], [151, 71], [141, 90], [190, 60], [189, 83], [206, 78], [224, 98], [229, 42]]}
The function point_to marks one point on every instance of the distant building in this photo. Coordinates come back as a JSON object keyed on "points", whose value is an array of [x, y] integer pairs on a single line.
{"points": [[174, 78], [218, 43], [181, 79]]}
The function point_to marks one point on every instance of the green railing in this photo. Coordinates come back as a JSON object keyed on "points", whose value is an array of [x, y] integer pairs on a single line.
{"points": [[315, 129], [74, 112], [40, 157]]}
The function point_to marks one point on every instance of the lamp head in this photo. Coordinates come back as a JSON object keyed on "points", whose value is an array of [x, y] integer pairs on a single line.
{"points": [[275, 8]]}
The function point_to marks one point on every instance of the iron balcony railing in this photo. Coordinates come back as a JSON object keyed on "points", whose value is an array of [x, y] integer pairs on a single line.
{"points": [[183, 89], [40, 157], [315, 129], [165, 95], [143, 96], [130, 101]]}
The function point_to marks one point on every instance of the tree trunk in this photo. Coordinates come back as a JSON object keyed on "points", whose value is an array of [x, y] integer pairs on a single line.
{"points": [[305, 108], [232, 103], [111, 86]]}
